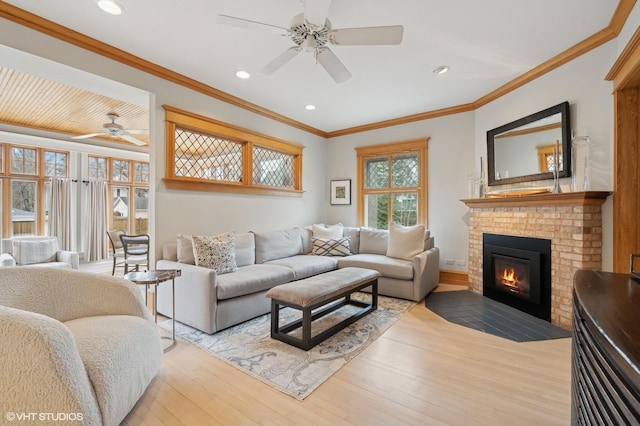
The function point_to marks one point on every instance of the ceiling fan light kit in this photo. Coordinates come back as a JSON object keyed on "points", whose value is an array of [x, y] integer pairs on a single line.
{"points": [[311, 32]]}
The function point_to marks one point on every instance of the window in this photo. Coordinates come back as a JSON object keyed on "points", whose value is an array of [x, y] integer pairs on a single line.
{"points": [[120, 171], [26, 172], [129, 186], [207, 155], [97, 168], [392, 184], [55, 164], [141, 172], [23, 161]]}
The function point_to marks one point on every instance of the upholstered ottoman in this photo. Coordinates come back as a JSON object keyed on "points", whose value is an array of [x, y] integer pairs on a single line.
{"points": [[316, 292]]}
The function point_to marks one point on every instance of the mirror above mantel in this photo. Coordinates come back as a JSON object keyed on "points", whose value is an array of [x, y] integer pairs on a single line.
{"points": [[522, 151]]}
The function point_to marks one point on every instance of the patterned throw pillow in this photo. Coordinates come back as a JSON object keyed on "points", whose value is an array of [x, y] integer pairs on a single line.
{"points": [[330, 246], [217, 252]]}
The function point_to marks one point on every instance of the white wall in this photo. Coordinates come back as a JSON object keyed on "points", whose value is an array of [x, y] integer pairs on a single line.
{"points": [[458, 141], [195, 212], [451, 158]]}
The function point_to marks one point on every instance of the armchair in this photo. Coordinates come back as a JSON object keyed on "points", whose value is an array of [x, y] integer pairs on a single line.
{"points": [[74, 342], [37, 251]]}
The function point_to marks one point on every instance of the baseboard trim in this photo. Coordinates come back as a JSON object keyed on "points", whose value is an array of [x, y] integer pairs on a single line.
{"points": [[454, 277]]}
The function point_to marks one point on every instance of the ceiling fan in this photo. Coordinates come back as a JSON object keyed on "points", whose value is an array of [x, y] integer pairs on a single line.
{"points": [[311, 32], [115, 130]]}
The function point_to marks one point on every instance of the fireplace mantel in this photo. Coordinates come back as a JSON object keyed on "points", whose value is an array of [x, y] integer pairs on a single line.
{"points": [[538, 200]]}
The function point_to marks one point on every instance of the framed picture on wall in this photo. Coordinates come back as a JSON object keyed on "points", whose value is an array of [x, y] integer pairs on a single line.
{"points": [[341, 191]]}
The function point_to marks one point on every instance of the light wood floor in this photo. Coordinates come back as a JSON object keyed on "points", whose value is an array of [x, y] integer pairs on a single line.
{"points": [[423, 370]]}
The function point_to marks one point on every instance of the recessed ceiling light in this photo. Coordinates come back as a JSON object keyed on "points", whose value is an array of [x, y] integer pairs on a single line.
{"points": [[440, 70], [310, 107], [110, 7], [243, 74]]}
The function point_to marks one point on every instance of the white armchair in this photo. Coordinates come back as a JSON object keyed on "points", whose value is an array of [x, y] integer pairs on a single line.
{"points": [[36, 251], [74, 342]]}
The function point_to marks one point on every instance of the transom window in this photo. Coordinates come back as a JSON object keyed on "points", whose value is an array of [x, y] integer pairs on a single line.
{"points": [[205, 154], [392, 184]]}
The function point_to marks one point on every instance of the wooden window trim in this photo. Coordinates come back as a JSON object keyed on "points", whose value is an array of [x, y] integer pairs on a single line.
{"points": [[176, 118], [419, 146]]}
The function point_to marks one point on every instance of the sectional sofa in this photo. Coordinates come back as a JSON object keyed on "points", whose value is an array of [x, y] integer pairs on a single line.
{"points": [[211, 301]]}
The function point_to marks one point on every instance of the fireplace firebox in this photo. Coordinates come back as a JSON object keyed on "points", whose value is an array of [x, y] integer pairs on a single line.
{"points": [[517, 272]]}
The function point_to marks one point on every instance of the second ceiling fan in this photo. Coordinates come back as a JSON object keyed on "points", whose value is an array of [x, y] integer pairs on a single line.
{"points": [[311, 32]]}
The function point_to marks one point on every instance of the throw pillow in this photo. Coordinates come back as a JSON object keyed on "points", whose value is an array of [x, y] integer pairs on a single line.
{"points": [[185, 250], [327, 231], [373, 241], [330, 246], [217, 252], [29, 252], [405, 242]]}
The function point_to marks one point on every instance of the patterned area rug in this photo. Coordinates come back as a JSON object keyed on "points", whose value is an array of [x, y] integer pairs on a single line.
{"points": [[249, 347]]}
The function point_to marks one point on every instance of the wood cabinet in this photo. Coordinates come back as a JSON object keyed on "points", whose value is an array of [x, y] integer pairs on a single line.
{"points": [[606, 349]]}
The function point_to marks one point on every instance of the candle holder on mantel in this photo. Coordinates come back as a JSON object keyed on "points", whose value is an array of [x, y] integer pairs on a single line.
{"points": [[556, 172]]}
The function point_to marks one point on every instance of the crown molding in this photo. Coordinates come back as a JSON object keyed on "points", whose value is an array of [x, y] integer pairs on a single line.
{"points": [[37, 23]]}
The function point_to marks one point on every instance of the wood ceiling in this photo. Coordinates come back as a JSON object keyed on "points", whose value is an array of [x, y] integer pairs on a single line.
{"points": [[35, 102]]}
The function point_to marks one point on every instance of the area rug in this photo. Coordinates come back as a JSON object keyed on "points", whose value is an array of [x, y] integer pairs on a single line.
{"points": [[475, 311], [249, 347]]}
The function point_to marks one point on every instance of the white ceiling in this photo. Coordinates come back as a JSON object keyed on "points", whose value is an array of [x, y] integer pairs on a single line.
{"points": [[486, 43]]}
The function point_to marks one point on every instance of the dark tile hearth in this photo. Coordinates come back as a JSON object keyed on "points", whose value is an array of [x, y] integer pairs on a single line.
{"points": [[481, 313]]}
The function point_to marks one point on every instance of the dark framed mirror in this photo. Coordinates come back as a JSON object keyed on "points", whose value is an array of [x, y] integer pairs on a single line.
{"points": [[522, 151]]}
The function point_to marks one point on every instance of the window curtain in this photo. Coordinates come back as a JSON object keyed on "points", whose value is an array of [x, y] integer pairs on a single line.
{"points": [[94, 221], [60, 212]]}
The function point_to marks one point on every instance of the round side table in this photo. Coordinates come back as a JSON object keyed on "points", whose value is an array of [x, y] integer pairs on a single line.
{"points": [[155, 278]]}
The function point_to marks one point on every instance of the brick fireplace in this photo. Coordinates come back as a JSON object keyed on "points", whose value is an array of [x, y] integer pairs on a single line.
{"points": [[571, 221]]}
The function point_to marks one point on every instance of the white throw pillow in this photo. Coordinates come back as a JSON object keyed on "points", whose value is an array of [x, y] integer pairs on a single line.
{"points": [[185, 250], [405, 242], [330, 246], [327, 231], [29, 252], [217, 252]]}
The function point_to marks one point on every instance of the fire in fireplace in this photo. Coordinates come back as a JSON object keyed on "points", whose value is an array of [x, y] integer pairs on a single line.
{"points": [[517, 272]]}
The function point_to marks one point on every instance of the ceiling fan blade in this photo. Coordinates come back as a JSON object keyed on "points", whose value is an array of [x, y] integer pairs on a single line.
{"points": [[367, 36], [279, 61], [90, 135], [133, 140], [251, 25], [138, 131], [315, 11], [332, 65]]}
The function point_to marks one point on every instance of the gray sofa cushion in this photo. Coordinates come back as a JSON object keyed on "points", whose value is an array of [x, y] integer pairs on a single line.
{"points": [[245, 249], [387, 266], [306, 265], [251, 279], [354, 238], [373, 240], [273, 245]]}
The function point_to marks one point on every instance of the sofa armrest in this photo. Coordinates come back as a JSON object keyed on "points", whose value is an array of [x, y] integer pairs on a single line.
{"points": [[426, 272], [39, 355], [70, 257], [7, 260], [195, 295]]}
